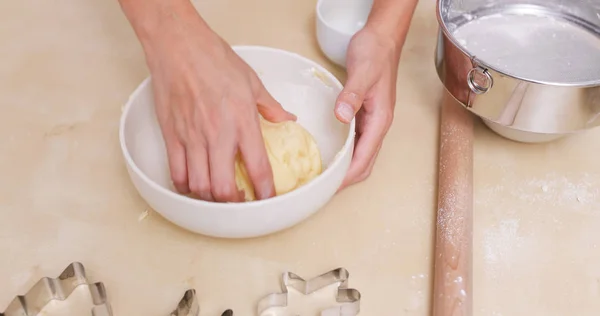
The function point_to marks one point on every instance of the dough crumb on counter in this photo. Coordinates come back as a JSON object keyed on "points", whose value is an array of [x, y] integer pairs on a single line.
{"points": [[143, 215]]}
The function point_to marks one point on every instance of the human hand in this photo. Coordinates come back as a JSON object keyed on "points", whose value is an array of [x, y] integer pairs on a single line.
{"points": [[207, 103], [370, 95]]}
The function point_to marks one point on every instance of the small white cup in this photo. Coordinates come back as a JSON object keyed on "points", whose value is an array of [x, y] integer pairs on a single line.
{"points": [[337, 22]]}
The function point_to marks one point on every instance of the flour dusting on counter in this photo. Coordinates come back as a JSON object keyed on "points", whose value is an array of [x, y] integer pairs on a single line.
{"points": [[550, 199], [501, 240], [573, 192]]}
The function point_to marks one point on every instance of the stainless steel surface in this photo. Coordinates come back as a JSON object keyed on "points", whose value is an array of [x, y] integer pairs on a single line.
{"points": [[532, 43], [529, 66], [47, 290], [188, 305], [50, 289], [349, 298]]}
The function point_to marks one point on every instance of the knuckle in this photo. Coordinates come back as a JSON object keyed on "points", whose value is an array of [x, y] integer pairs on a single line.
{"points": [[224, 192], [363, 176], [196, 139], [263, 173], [200, 187], [260, 168], [181, 131], [352, 98], [178, 172], [179, 180], [178, 177], [208, 129], [366, 173], [389, 118], [245, 105]]}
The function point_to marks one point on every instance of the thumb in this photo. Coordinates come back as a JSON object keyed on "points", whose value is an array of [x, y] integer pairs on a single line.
{"points": [[270, 109], [350, 99]]}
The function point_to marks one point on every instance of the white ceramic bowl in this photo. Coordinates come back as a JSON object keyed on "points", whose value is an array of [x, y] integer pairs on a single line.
{"points": [[337, 22], [304, 88]]}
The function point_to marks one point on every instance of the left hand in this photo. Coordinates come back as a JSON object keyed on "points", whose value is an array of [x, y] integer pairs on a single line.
{"points": [[370, 95]]}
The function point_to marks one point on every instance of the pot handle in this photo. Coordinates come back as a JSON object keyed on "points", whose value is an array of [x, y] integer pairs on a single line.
{"points": [[479, 80]]}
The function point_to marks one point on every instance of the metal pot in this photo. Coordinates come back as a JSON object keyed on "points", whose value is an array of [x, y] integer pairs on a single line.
{"points": [[530, 68]]}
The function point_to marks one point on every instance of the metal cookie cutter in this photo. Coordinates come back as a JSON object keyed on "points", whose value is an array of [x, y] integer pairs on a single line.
{"points": [[349, 298], [189, 306], [50, 289]]}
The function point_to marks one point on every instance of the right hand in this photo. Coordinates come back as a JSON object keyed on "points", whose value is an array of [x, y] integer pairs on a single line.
{"points": [[207, 103]]}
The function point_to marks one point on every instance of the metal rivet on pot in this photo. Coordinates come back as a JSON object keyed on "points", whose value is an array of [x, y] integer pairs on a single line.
{"points": [[479, 80]]}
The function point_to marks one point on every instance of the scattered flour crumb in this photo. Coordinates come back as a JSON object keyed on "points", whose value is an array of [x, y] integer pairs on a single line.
{"points": [[416, 301], [143, 215], [320, 75]]}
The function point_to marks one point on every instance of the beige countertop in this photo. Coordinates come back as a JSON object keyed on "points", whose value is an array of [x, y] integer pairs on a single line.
{"points": [[68, 66]]}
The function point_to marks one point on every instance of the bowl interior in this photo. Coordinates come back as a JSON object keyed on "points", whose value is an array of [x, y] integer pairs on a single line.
{"points": [[301, 86], [346, 16]]}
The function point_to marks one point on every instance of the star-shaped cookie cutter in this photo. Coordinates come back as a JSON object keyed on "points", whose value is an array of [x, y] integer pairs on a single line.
{"points": [[348, 298]]}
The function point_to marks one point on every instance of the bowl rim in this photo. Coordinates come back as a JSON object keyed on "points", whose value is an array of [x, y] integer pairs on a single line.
{"points": [[337, 160], [325, 22]]}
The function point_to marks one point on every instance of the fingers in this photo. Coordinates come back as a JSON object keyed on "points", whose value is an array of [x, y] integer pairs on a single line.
{"points": [[350, 179], [364, 152], [351, 98], [374, 126], [269, 108], [198, 170], [257, 164], [176, 152], [177, 165], [222, 151]]}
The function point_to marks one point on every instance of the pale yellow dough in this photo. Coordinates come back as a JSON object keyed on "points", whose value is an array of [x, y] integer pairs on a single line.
{"points": [[293, 154]]}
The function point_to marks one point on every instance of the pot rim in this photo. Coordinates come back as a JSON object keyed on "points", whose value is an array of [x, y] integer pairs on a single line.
{"points": [[482, 63]]}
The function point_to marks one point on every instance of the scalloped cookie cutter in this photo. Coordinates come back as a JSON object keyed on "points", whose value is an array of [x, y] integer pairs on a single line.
{"points": [[189, 306], [348, 298], [60, 288], [47, 290]]}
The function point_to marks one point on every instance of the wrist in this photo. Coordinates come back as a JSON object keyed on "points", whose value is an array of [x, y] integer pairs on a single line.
{"points": [[390, 20], [157, 23]]}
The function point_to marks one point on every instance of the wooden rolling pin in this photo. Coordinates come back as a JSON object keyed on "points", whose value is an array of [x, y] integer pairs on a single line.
{"points": [[452, 288]]}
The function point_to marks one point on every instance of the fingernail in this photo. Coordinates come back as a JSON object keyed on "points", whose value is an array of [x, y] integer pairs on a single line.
{"points": [[266, 192], [294, 117], [345, 111]]}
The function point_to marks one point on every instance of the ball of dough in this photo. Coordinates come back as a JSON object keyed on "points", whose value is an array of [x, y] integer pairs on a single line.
{"points": [[294, 156]]}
